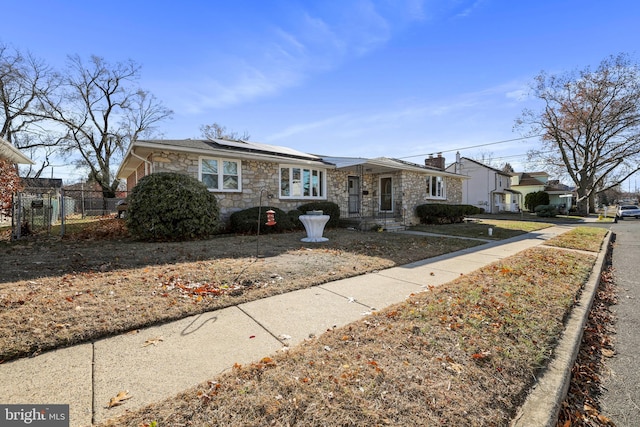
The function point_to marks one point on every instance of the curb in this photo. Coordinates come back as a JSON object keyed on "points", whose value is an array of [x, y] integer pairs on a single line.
{"points": [[543, 404]]}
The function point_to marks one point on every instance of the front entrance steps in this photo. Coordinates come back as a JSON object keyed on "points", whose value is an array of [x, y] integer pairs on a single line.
{"points": [[370, 223]]}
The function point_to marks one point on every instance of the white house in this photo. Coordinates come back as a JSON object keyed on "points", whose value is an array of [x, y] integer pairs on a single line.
{"points": [[487, 187]]}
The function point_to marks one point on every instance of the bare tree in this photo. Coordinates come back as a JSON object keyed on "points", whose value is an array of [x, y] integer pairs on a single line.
{"points": [[217, 131], [590, 125], [507, 168], [101, 112], [485, 157], [23, 81]]}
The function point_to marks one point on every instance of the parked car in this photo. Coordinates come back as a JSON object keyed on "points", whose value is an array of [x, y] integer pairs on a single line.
{"points": [[628, 211]]}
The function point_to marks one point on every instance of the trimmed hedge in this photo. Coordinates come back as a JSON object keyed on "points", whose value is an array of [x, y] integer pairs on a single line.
{"points": [[546, 211], [171, 206], [294, 216], [328, 208], [246, 221], [438, 213]]}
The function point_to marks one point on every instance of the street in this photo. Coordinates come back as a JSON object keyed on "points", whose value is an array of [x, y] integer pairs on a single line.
{"points": [[621, 397]]}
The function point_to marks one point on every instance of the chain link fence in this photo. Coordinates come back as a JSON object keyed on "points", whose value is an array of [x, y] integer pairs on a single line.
{"points": [[33, 214], [48, 213]]}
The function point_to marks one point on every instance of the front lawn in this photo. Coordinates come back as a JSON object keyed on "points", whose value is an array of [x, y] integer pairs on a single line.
{"points": [[464, 353], [501, 229]]}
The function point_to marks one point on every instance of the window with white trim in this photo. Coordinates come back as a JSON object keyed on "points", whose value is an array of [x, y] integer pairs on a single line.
{"points": [[221, 174], [435, 187], [302, 183]]}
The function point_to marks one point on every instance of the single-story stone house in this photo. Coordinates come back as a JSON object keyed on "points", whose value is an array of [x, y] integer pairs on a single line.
{"points": [[242, 173]]}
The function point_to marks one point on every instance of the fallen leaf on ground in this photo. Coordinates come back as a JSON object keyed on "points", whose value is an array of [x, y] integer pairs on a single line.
{"points": [[607, 353], [590, 410], [455, 367], [119, 399], [152, 341]]}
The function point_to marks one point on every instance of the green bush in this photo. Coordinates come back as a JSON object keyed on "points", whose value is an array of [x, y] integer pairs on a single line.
{"points": [[534, 199], [328, 208], [171, 206], [439, 213], [546, 211], [294, 216], [246, 221]]}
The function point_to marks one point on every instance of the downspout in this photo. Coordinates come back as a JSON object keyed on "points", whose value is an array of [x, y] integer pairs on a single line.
{"points": [[495, 188], [148, 165]]}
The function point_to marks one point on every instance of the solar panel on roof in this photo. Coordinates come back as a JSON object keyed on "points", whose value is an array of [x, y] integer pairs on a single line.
{"points": [[274, 149]]}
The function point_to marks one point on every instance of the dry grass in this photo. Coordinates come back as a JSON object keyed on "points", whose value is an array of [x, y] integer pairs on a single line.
{"points": [[465, 353], [61, 292], [501, 229], [581, 238]]}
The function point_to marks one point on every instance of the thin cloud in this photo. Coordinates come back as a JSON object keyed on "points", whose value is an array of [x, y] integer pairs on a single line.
{"points": [[469, 9], [308, 43], [351, 125], [302, 128]]}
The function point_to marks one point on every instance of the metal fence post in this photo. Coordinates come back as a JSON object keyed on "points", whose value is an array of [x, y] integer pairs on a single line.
{"points": [[18, 228], [63, 212]]}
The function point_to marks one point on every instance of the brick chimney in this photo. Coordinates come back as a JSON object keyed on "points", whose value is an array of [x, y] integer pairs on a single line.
{"points": [[435, 162]]}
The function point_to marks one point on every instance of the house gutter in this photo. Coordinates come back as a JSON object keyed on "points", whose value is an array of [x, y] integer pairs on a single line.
{"points": [[493, 192], [144, 160], [13, 154]]}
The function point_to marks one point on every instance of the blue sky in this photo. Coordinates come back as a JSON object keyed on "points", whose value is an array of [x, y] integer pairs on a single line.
{"points": [[394, 78]]}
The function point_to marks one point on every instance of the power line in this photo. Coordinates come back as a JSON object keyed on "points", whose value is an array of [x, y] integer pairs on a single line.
{"points": [[473, 146]]}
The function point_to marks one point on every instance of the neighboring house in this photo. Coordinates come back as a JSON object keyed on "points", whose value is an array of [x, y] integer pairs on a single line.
{"points": [[242, 174], [487, 187], [560, 195], [11, 153], [14, 156], [42, 186]]}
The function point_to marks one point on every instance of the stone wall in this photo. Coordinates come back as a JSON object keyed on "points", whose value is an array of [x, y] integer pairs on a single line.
{"points": [[414, 193], [454, 190]]}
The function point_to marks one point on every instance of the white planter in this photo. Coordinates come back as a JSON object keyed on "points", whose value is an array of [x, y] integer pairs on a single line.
{"points": [[314, 224]]}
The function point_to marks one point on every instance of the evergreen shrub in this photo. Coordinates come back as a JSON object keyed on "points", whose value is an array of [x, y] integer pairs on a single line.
{"points": [[171, 206], [440, 213], [534, 199], [546, 211], [327, 208], [246, 221]]}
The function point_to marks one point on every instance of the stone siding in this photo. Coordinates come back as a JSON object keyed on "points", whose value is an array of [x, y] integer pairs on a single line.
{"points": [[454, 190], [259, 180], [409, 188]]}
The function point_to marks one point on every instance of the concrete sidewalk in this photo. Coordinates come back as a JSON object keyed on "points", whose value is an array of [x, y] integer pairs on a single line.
{"points": [[159, 362]]}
